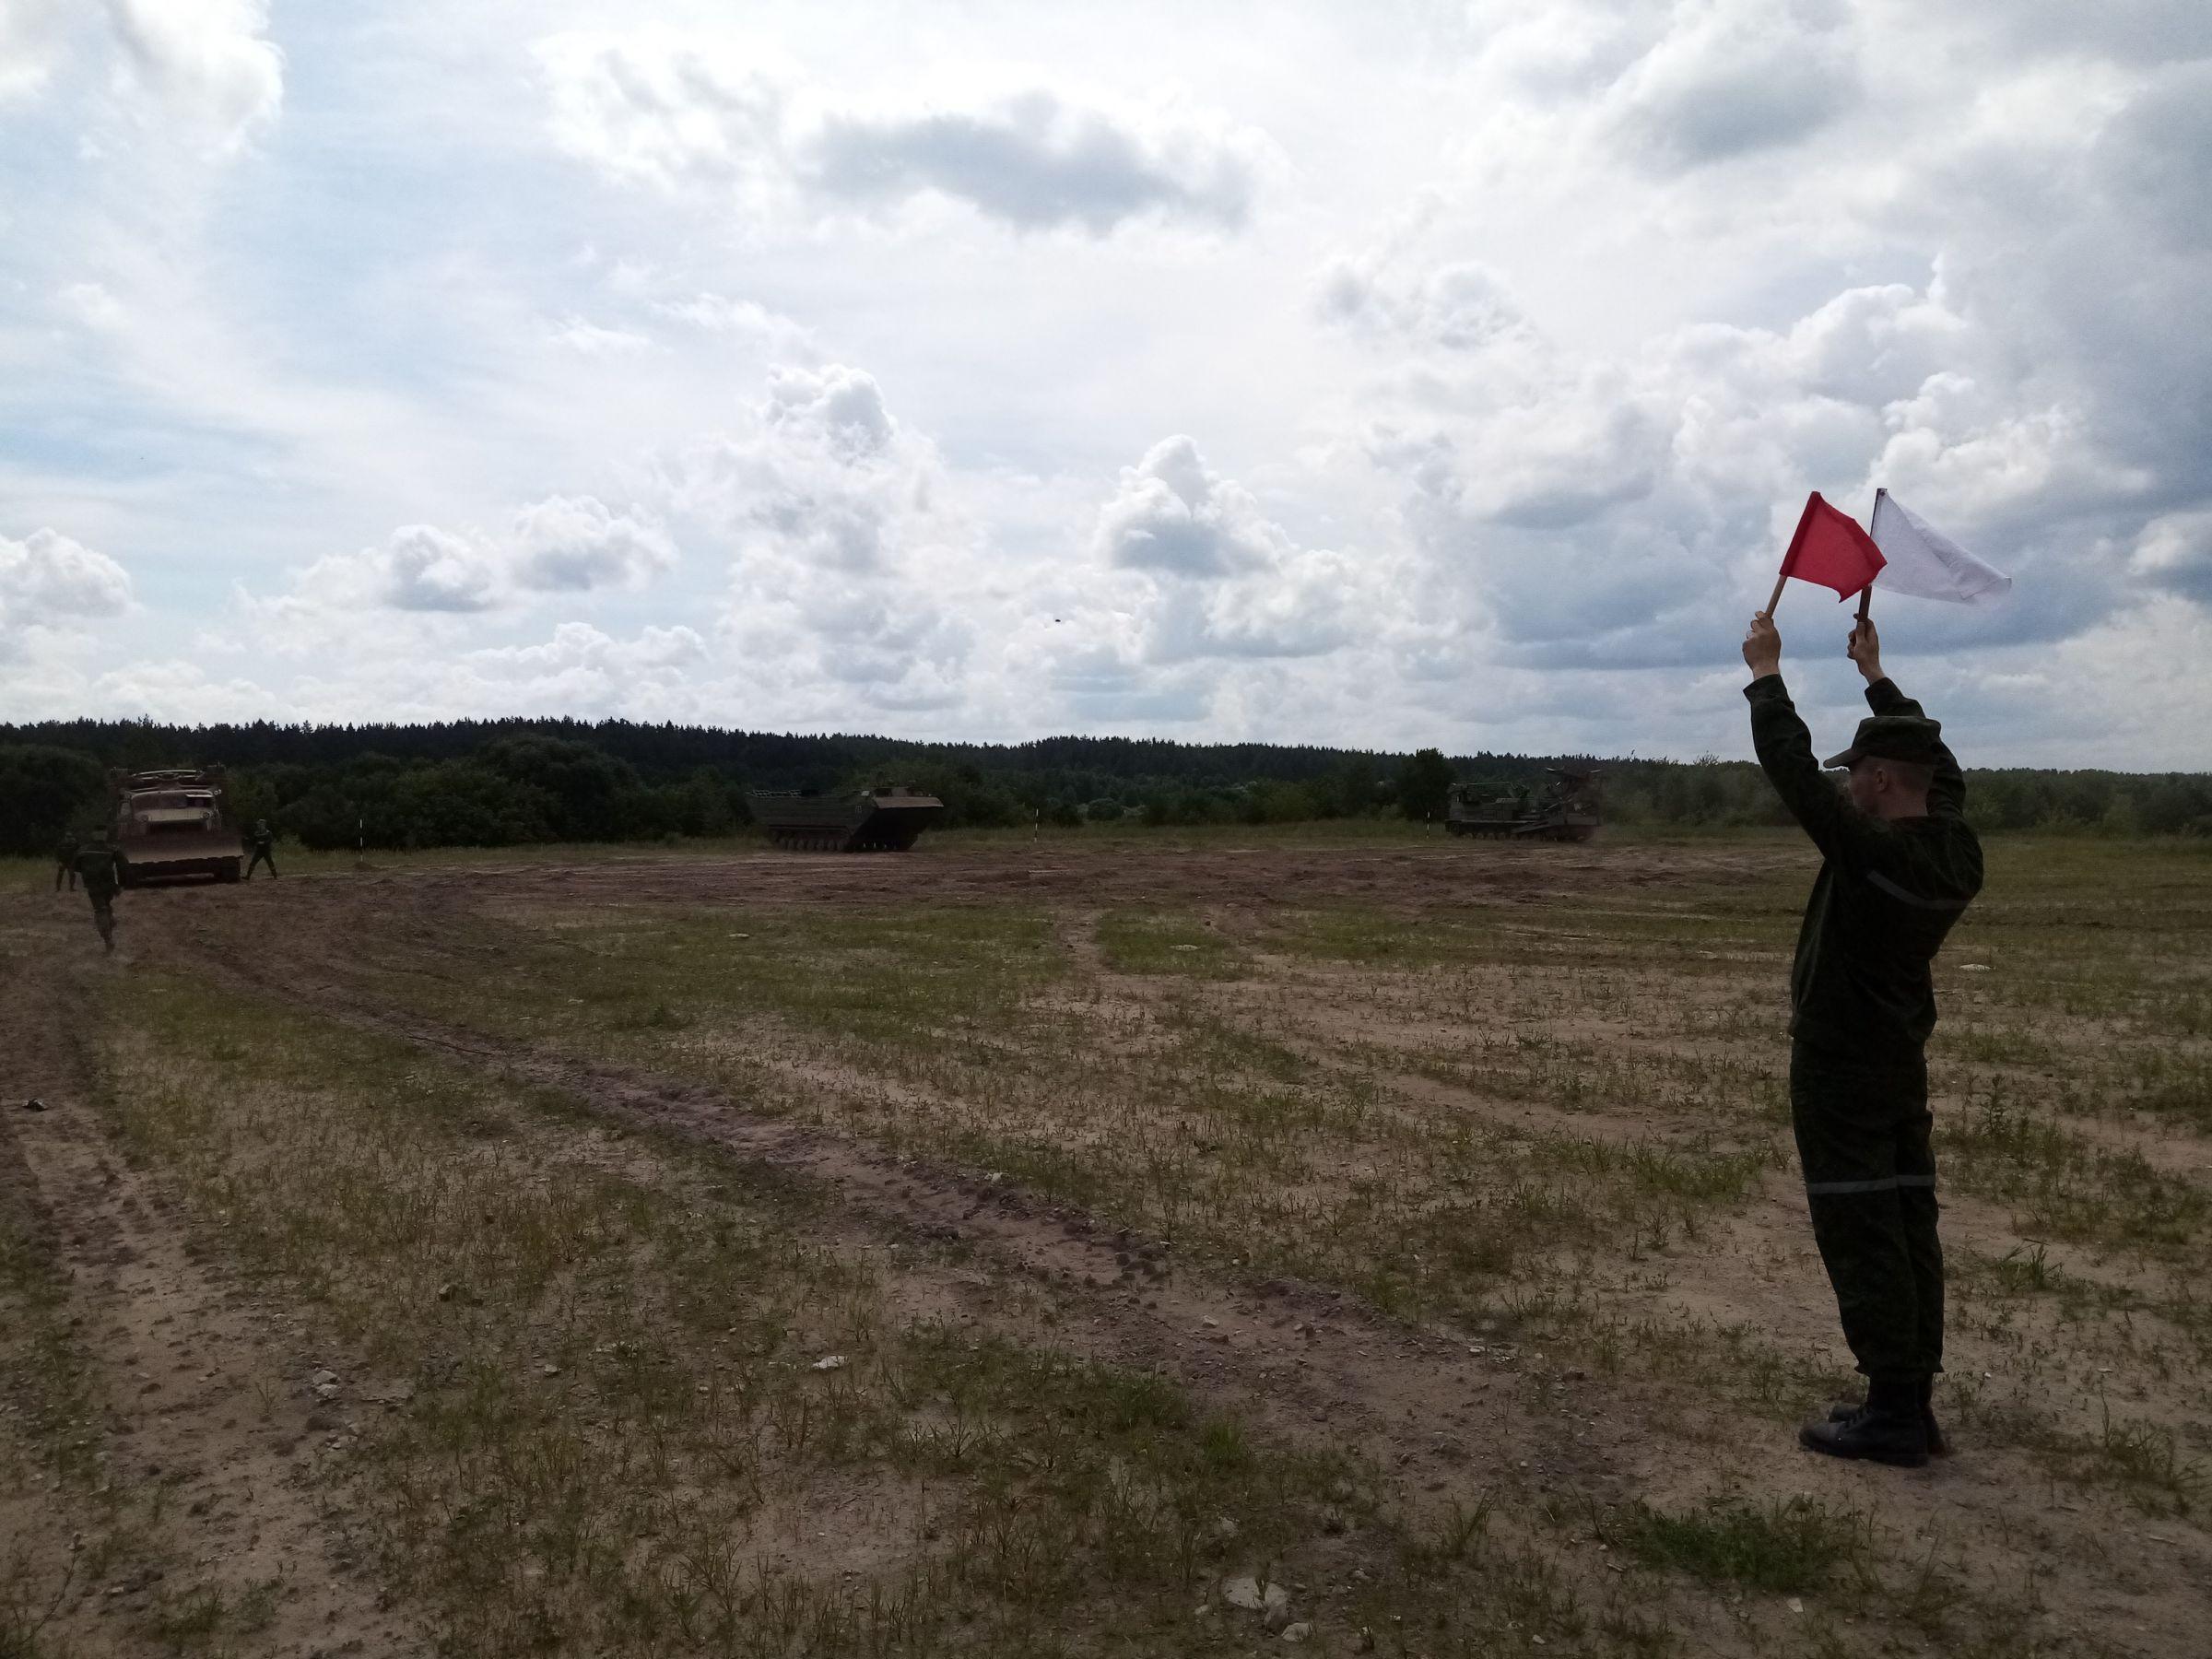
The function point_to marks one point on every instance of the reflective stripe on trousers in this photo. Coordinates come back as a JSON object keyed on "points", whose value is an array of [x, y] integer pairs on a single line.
{"points": [[1888, 1183]]}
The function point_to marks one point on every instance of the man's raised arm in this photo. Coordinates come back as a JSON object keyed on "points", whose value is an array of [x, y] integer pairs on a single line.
{"points": [[1785, 748], [1947, 788]]}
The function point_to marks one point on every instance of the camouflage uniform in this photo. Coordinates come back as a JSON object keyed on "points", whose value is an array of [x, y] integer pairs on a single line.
{"points": [[262, 843], [65, 862], [100, 868], [1863, 1004]]}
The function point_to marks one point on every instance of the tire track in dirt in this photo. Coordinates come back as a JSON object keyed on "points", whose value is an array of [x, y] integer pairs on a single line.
{"points": [[208, 1434], [1294, 1354], [1364, 1376]]}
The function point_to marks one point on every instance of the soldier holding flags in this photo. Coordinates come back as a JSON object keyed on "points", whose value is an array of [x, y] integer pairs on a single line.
{"points": [[1899, 865]]}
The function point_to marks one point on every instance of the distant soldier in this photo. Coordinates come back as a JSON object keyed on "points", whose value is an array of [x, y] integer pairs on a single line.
{"points": [[263, 843], [1899, 865], [100, 868], [65, 862]]}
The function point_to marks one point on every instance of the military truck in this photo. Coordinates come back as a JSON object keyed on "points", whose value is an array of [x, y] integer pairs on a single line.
{"points": [[886, 818], [174, 822], [1570, 808]]}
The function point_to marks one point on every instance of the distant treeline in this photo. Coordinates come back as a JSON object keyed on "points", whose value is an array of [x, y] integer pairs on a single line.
{"points": [[505, 782]]}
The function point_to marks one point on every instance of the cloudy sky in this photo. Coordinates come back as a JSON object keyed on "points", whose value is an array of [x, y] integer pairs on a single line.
{"points": [[1385, 375]]}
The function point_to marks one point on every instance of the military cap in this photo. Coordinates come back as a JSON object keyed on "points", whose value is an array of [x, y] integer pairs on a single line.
{"points": [[1906, 738]]}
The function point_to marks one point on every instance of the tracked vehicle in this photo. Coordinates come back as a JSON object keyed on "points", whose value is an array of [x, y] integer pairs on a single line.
{"points": [[886, 818], [172, 823], [1568, 808]]}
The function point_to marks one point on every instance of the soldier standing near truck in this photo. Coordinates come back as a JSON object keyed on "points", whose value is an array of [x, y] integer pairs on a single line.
{"points": [[65, 862], [261, 843], [1899, 865], [100, 866]]}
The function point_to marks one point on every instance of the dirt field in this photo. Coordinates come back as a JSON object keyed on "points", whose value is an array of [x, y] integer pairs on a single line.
{"points": [[1085, 1246]]}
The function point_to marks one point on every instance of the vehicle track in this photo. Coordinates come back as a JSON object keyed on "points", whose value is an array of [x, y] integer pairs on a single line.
{"points": [[206, 1434]]}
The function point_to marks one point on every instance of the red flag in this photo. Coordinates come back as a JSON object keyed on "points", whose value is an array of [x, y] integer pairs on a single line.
{"points": [[1830, 549]]}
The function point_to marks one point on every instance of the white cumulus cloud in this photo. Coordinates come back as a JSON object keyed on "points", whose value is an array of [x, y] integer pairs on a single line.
{"points": [[33, 34], [681, 111], [49, 580], [2174, 552], [665, 109], [564, 543], [416, 568], [579, 647], [575, 543], [1171, 513], [847, 561], [1731, 77], [209, 63], [1036, 162], [1208, 574]]}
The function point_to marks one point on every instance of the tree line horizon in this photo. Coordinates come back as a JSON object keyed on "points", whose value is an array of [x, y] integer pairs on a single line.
{"points": [[514, 782]]}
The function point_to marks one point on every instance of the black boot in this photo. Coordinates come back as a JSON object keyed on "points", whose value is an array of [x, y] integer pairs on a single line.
{"points": [[1842, 1411], [1890, 1427]]}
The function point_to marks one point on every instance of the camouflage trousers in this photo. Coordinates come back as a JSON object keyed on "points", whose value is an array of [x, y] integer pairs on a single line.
{"points": [[1862, 1126], [261, 856], [103, 915]]}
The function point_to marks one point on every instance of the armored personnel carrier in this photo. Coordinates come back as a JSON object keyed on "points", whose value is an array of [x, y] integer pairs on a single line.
{"points": [[174, 822], [886, 818], [1568, 808]]}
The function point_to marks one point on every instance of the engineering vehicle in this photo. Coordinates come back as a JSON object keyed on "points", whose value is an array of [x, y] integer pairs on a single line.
{"points": [[1568, 808], [174, 822], [886, 818]]}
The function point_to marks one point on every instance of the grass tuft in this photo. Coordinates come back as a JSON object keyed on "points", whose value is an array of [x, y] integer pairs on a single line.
{"points": [[1779, 1547]]}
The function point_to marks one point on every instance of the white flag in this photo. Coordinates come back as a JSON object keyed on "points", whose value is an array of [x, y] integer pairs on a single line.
{"points": [[1926, 563]]}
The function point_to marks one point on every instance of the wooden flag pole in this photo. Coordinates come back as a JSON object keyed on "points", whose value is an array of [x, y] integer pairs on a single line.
{"points": [[1866, 593], [1775, 598]]}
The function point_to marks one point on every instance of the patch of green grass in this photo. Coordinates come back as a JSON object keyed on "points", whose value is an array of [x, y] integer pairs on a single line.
{"points": [[890, 980], [32, 875], [2149, 1458], [1346, 934], [1520, 1063], [1777, 1548], [2025, 1270], [2147, 1462], [2066, 1186], [2003, 1045], [1158, 941], [2171, 1081]]}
